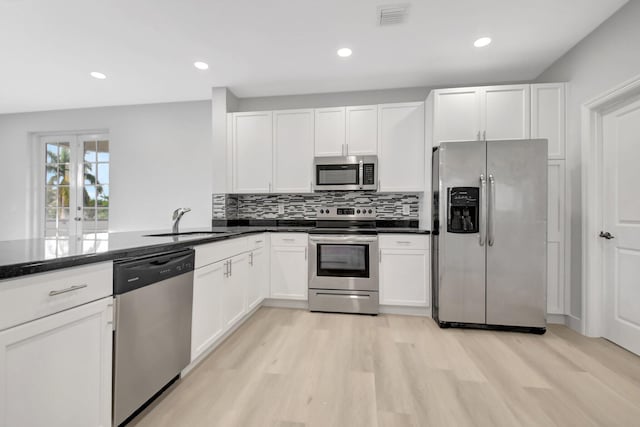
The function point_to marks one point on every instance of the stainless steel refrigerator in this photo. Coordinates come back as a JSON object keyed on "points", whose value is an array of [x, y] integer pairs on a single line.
{"points": [[489, 235]]}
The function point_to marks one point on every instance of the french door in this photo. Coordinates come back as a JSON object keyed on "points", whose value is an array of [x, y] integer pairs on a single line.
{"points": [[621, 226], [76, 184]]}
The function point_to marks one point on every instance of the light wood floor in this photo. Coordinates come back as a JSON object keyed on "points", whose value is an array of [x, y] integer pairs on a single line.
{"points": [[295, 368]]}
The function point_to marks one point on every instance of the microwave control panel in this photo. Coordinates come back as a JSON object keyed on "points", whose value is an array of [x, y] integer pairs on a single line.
{"points": [[368, 174]]}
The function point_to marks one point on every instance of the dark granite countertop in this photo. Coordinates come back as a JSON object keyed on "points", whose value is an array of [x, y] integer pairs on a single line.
{"points": [[29, 256]]}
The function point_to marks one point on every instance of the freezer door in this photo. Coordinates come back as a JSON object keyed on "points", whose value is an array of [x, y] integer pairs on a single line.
{"points": [[461, 250], [517, 232]]}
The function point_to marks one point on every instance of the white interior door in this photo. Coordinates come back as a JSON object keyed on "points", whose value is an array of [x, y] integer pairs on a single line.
{"points": [[621, 218]]}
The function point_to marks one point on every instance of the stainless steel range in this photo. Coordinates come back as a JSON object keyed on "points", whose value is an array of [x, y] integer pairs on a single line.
{"points": [[343, 261]]}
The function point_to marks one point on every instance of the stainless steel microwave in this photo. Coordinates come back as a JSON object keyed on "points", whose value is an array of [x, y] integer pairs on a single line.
{"points": [[345, 173]]}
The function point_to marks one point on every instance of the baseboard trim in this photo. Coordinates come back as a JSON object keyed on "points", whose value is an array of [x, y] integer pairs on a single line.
{"points": [[557, 319], [405, 310], [575, 323], [286, 303]]}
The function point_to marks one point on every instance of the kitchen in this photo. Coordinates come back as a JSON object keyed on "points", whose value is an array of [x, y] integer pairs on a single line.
{"points": [[247, 144]]}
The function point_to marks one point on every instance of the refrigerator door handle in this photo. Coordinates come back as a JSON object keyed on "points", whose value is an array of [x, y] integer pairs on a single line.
{"points": [[483, 204], [492, 206]]}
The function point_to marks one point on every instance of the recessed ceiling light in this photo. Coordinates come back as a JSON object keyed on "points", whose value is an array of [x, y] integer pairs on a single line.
{"points": [[344, 52], [482, 42], [201, 65], [97, 75]]}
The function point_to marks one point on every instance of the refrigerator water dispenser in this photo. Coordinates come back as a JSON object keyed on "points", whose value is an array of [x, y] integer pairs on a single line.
{"points": [[463, 209]]}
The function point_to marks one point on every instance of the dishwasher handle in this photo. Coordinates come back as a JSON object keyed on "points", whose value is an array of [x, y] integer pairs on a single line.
{"points": [[134, 274]]}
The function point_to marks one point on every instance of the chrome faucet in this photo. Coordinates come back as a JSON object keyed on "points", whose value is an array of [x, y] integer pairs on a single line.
{"points": [[177, 215]]}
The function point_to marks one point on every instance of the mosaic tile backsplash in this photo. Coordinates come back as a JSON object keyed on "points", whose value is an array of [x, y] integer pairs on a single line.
{"points": [[303, 206]]}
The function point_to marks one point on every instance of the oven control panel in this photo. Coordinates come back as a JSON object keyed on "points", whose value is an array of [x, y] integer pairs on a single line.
{"points": [[351, 213]]}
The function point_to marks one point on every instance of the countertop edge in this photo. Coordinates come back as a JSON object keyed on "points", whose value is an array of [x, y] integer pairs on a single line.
{"points": [[13, 271]]}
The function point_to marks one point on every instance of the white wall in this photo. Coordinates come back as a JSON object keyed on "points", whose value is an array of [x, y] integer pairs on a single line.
{"points": [[160, 160], [604, 59]]}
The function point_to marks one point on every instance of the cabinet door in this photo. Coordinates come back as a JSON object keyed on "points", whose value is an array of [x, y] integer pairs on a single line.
{"points": [[401, 130], [56, 371], [292, 151], [330, 131], [234, 301], [555, 237], [252, 137], [289, 272], [258, 270], [548, 116], [404, 277], [207, 315], [506, 112], [456, 115], [362, 130]]}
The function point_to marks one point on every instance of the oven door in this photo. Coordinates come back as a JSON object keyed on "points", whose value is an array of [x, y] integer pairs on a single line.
{"points": [[343, 262]]}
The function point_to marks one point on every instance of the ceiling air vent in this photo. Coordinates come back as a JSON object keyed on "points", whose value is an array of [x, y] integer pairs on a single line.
{"points": [[392, 14]]}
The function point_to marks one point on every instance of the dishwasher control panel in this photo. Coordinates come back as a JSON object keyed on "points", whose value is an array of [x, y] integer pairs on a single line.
{"points": [[131, 274]]}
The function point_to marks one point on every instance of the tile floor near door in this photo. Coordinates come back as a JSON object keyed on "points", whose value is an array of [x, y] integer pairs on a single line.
{"points": [[295, 368]]}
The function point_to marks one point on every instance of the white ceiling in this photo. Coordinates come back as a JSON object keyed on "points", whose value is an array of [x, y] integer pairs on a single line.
{"points": [[271, 47]]}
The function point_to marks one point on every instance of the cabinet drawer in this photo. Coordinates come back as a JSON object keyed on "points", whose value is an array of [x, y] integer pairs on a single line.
{"points": [[289, 239], [403, 241], [213, 252], [257, 241], [37, 295]]}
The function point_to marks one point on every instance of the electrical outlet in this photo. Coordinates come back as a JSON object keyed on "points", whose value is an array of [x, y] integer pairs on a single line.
{"points": [[281, 208], [406, 209]]}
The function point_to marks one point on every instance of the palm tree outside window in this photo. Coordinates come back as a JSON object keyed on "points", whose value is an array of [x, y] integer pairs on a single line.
{"points": [[76, 184]]}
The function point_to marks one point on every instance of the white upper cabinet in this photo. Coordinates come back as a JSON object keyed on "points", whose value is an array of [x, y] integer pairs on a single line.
{"points": [[456, 115], [401, 147], [362, 130], [293, 151], [252, 149], [330, 131], [506, 112], [548, 116], [476, 113]]}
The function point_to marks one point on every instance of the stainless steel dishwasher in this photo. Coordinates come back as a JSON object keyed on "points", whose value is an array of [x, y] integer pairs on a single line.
{"points": [[152, 340]]}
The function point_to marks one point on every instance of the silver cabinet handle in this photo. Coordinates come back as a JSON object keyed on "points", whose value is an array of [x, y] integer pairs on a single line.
{"points": [[226, 269], [403, 242], [305, 253], [230, 267], [69, 289], [478, 137], [288, 239], [251, 259], [379, 256], [484, 135], [342, 149], [492, 206], [483, 205], [259, 241], [269, 187]]}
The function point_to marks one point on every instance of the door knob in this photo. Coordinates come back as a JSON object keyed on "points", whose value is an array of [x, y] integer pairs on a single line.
{"points": [[607, 235]]}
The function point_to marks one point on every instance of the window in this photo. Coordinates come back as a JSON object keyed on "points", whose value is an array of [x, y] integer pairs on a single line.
{"points": [[76, 187]]}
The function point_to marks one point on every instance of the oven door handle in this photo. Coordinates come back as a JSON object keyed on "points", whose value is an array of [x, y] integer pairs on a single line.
{"points": [[343, 239]]}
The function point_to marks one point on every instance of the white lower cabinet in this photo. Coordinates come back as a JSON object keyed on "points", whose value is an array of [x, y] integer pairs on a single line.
{"points": [[56, 371], [206, 325], [234, 302], [258, 277], [289, 270], [404, 270]]}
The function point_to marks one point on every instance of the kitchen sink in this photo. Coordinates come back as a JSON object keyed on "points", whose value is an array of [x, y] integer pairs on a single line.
{"points": [[186, 233]]}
